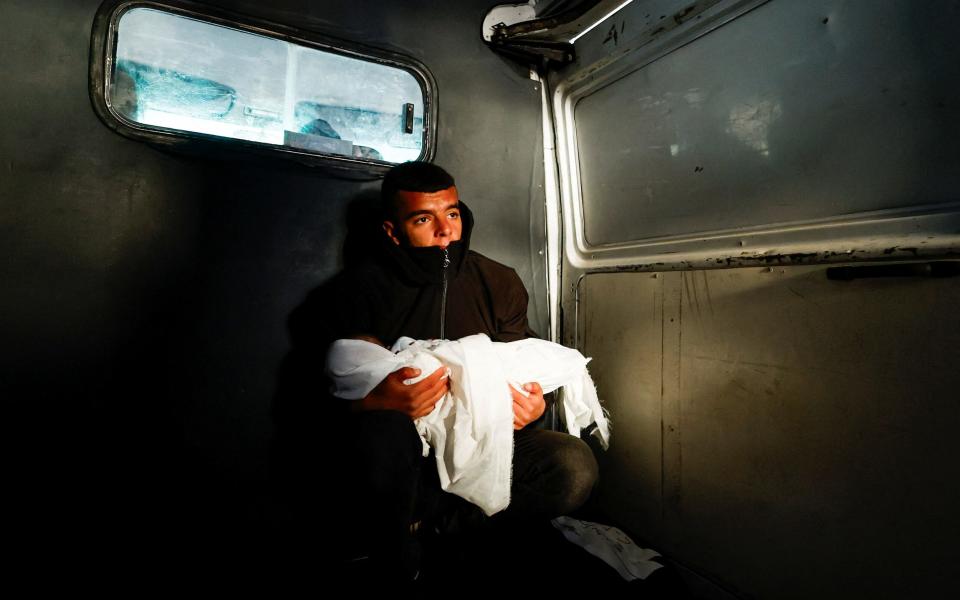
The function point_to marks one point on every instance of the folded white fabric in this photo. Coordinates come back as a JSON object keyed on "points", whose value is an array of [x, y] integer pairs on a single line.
{"points": [[357, 366], [471, 427]]}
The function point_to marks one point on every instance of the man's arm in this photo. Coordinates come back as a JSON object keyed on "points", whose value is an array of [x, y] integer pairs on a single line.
{"points": [[511, 313], [415, 401], [512, 325]]}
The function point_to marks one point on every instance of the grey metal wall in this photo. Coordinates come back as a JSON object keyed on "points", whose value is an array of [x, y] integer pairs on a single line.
{"points": [[791, 436], [784, 434], [145, 295], [796, 111]]}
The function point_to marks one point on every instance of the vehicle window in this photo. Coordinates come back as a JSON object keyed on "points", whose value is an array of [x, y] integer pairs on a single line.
{"points": [[179, 74]]}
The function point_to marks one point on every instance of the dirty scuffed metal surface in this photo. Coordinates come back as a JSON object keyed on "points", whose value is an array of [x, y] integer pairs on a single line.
{"points": [[775, 425]]}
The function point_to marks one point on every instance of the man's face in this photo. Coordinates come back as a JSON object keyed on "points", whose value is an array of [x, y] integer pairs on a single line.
{"points": [[425, 218]]}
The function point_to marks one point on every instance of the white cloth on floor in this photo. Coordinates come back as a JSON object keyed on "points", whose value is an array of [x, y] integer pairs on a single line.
{"points": [[471, 427], [611, 545]]}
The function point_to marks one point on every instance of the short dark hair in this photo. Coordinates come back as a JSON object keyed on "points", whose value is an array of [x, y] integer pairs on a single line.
{"points": [[411, 177]]}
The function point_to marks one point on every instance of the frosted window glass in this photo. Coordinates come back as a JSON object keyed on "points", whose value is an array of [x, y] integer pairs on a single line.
{"points": [[182, 74]]}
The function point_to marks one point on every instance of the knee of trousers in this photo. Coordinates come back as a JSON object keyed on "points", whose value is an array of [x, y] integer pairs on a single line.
{"points": [[577, 470]]}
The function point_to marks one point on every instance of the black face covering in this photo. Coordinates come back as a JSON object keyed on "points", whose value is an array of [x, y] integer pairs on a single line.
{"points": [[425, 264]]}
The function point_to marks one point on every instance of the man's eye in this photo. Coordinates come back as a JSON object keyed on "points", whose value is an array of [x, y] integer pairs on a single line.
{"points": [[455, 215], [421, 220]]}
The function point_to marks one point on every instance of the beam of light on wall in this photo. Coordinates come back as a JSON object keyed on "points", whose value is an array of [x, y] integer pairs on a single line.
{"points": [[607, 16]]}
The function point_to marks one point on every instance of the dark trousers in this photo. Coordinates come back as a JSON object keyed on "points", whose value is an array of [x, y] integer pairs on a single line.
{"points": [[391, 485]]}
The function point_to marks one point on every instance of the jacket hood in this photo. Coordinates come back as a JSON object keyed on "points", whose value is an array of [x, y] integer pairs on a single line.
{"points": [[425, 265]]}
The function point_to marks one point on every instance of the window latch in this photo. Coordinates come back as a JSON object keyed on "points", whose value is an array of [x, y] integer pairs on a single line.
{"points": [[408, 117]]}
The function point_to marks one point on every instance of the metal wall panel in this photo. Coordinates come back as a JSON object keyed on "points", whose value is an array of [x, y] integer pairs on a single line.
{"points": [[732, 130], [794, 111], [809, 426]]}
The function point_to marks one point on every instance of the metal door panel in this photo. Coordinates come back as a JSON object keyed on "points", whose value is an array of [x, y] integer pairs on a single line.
{"points": [[809, 426]]}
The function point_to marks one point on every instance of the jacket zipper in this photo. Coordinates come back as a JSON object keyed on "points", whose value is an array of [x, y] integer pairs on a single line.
{"points": [[443, 297]]}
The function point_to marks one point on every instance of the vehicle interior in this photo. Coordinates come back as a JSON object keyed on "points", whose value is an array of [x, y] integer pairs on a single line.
{"points": [[744, 212]]}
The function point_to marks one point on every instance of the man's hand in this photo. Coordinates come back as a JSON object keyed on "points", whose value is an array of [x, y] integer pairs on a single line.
{"points": [[526, 410], [415, 401]]}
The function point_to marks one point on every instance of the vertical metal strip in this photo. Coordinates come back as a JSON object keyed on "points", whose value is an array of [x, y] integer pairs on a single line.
{"points": [[671, 373], [553, 220]]}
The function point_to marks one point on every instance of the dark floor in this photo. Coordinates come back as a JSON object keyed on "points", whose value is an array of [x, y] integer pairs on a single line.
{"points": [[152, 552], [143, 542], [536, 559]]}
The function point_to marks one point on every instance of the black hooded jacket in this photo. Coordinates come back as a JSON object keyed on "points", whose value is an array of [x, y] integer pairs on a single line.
{"points": [[409, 291], [396, 291]]}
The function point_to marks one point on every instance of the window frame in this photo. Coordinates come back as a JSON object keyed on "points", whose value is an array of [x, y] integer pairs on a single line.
{"points": [[103, 55]]}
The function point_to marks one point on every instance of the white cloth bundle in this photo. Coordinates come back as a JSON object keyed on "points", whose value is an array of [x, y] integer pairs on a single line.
{"points": [[471, 427], [554, 366]]}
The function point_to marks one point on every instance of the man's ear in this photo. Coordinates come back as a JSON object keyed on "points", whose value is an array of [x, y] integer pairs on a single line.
{"points": [[391, 232]]}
